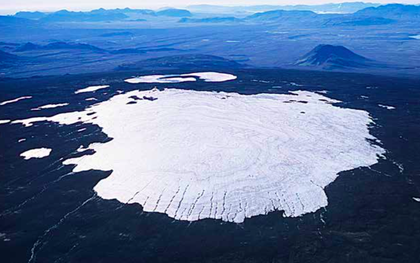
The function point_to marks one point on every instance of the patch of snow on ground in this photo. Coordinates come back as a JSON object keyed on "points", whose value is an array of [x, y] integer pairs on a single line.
{"points": [[206, 76], [4, 121], [386, 107], [36, 153], [91, 89], [158, 79], [212, 76], [14, 100], [195, 155], [50, 106], [4, 237], [261, 81], [295, 84], [322, 91]]}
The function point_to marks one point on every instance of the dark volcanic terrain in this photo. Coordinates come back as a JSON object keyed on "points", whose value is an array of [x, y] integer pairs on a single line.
{"points": [[48, 214]]}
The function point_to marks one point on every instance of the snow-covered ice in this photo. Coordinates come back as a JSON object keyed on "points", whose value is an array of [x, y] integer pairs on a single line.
{"points": [[322, 91], [194, 155], [91, 89], [158, 79], [212, 76], [15, 100], [50, 106], [36, 153], [4, 121], [190, 77]]}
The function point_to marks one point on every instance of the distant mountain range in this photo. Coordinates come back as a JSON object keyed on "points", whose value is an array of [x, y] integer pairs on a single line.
{"points": [[281, 15], [100, 15], [349, 7], [30, 15], [329, 57], [372, 15], [95, 15], [392, 11], [174, 13], [381, 15], [275, 16]]}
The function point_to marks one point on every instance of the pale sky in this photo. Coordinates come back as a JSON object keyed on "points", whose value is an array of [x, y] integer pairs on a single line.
{"points": [[9, 6]]}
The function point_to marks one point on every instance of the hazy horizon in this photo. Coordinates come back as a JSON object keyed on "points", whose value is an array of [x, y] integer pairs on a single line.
{"points": [[9, 7]]}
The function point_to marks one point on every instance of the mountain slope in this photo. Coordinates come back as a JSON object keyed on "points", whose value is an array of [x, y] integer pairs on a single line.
{"points": [[30, 15], [93, 16], [282, 16], [346, 7], [28, 47], [7, 60], [174, 13], [333, 57], [59, 46], [392, 11], [4, 56]]}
